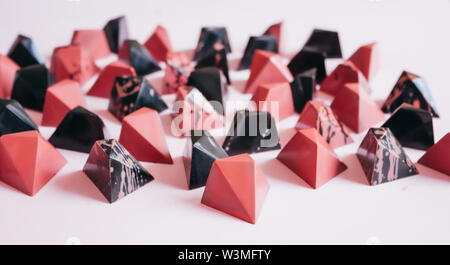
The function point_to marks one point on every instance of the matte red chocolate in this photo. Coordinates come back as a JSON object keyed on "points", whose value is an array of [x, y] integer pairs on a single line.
{"points": [[114, 171], [61, 98], [275, 30], [158, 44], [104, 83], [319, 116], [344, 73], [353, 106], [136, 55], [266, 67], [310, 157], [437, 156], [411, 89], [366, 59], [93, 41], [8, 69], [236, 186], [28, 161], [176, 74], [73, 62], [382, 157], [143, 136], [275, 98], [193, 111]]}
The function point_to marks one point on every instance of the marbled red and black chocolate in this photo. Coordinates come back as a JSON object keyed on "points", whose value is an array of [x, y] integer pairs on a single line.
{"points": [[124, 95], [411, 89], [383, 158], [177, 73], [114, 171]]}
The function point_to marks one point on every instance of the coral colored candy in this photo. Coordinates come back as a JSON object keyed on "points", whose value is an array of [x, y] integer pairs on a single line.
{"points": [[8, 69], [158, 44], [437, 156], [93, 41], [104, 83]]}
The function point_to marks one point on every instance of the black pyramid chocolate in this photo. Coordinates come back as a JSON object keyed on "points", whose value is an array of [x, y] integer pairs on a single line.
{"points": [[411, 89], [136, 55], [251, 132], [265, 42], [302, 89], [116, 31], [130, 93], [200, 153], [383, 158], [217, 58], [13, 118], [306, 60], [24, 52], [30, 86], [211, 83], [210, 39], [78, 131], [326, 42], [114, 170], [413, 127]]}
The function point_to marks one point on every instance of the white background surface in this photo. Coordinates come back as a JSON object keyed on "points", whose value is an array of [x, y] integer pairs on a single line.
{"points": [[413, 35]]}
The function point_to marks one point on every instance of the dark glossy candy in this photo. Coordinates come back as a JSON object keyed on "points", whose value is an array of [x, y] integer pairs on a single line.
{"points": [[383, 158], [200, 153], [136, 55], [78, 131], [211, 83], [30, 86], [306, 60], [216, 58], [116, 31], [411, 89], [302, 89], [413, 127], [265, 42], [326, 42], [24, 52], [130, 93], [114, 170], [251, 132], [210, 39], [13, 118]]}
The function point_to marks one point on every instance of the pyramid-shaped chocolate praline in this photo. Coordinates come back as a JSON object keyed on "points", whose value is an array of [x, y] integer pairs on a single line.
{"points": [[24, 52], [13, 118]]}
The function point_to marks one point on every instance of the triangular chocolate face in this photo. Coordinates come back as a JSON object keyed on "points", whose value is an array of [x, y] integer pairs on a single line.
{"points": [[251, 132], [437, 156], [13, 118], [78, 131], [136, 55], [24, 52], [326, 42], [344, 73], [383, 158], [8, 69], [411, 89], [306, 60], [130, 93], [30, 86], [114, 171], [209, 39], [199, 154], [366, 59], [158, 44], [413, 127], [236, 186], [116, 31], [265, 43]]}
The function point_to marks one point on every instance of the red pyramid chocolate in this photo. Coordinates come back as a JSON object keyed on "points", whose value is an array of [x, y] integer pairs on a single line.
{"points": [[437, 156], [318, 115], [266, 67], [61, 98], [275, 98], [275, 30], [344, 73], [176, 74], [93, 41], [236, 186], [143, 136], [158, 44], [309, 156], [73, 62], [8, 70], [366, 59], [28, 161], [355, 108], [104, 83]]}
